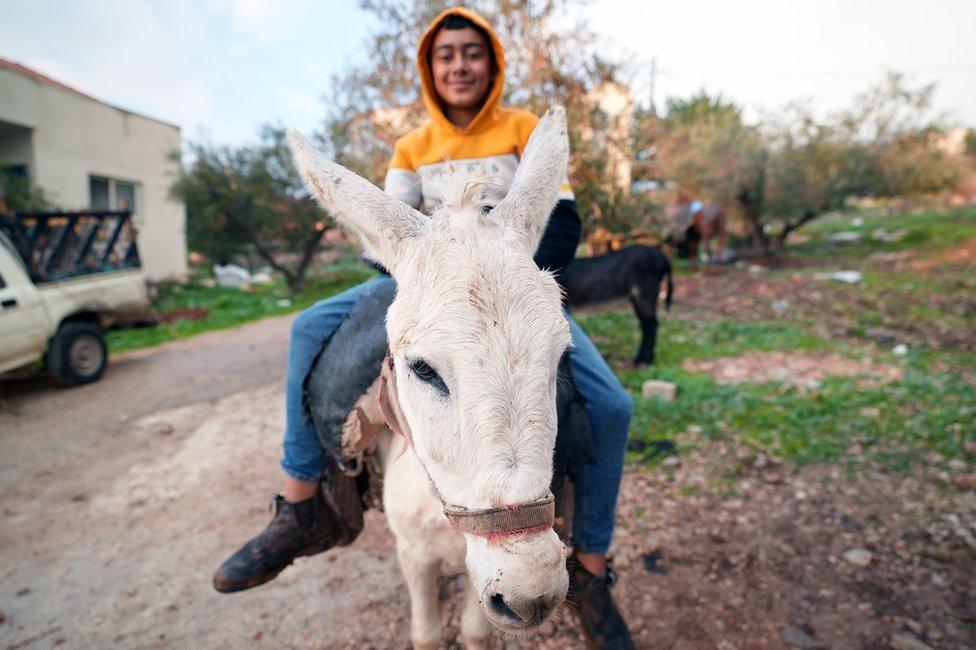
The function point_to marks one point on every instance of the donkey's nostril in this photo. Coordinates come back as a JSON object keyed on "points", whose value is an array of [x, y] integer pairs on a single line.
{"points": [[523, 614], [498, 605]]}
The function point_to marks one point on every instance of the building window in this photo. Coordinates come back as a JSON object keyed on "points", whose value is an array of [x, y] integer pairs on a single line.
{"points": [[99, 193], [110, 194], [18, 172]]}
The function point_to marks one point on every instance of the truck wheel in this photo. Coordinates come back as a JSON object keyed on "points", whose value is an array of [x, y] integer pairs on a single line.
{"points": [[77, 354]]}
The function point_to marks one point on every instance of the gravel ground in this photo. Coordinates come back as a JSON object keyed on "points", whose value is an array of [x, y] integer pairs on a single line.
{"points": [[115, 513]]}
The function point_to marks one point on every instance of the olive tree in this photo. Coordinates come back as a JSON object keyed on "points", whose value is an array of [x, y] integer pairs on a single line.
{"points": [[788, 170], [250, 199]]}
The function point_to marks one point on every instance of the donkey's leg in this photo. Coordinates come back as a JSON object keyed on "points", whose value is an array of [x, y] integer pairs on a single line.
{"points": [[421, 575], [645, 305], [474, 626]]}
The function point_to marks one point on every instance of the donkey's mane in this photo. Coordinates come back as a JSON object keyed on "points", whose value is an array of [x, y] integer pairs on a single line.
{"points": [[462, 188]]}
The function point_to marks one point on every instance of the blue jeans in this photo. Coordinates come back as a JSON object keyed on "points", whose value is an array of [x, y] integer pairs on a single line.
{"points": [[608, 405]]}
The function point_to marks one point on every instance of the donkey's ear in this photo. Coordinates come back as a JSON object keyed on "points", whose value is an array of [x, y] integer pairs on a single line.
{"points": [[535, 189], [380, 221]]}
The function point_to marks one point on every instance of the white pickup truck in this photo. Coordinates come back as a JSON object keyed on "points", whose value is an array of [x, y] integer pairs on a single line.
{"points": [[65, 279]]}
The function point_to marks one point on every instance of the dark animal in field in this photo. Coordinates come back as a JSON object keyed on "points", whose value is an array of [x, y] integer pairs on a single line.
{"points": [[635, 272], [700, 225]]}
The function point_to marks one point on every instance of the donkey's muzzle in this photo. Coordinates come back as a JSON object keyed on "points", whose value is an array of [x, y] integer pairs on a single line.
{"points": [[521, 579], [522, 613]]}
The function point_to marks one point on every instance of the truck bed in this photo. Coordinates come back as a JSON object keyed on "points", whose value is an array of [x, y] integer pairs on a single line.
{"points": [[56, 246]]}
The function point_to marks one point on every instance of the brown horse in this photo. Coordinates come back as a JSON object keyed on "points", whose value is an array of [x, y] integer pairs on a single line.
{"points": [[696, 225]]}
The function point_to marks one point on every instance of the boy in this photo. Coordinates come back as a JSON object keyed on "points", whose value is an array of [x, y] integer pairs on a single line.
{"points": [[461, 65]]}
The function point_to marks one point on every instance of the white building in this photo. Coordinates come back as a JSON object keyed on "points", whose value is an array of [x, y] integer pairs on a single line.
{"points": [[86, 154], [614, 118]]}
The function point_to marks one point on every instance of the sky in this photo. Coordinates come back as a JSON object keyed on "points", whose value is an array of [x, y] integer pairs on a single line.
{"points": [[221, 68]]}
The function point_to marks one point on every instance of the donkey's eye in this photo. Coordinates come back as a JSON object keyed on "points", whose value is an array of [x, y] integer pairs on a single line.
{"points": [[422, 370]]}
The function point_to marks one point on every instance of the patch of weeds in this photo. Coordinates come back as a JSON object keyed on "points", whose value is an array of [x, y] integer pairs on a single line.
{"points": [[844, 418], [923, 232], [226, 307], [888, 424], [617, 335], [689, 489]]}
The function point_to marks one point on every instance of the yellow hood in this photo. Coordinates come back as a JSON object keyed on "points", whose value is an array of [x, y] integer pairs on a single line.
{"points": [[492, 104]]}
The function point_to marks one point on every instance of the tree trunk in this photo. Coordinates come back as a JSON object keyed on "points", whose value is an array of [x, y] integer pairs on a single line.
{"points": [[295, 279], [791, 226], [308, 253], [751, 203]]}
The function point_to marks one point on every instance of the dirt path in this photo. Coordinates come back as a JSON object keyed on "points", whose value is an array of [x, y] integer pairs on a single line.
{"points": [[118, 499], [110, 530], [43, 422]]}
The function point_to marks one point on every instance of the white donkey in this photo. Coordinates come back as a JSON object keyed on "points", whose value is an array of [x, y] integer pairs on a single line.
{"points": [[475, 332]]}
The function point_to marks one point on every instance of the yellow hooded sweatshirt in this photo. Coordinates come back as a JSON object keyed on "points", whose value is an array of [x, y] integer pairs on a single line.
{"points": [[494, 141]]}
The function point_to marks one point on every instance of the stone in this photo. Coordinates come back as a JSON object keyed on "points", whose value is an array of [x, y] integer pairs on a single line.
{"points": [[162, 428], [664, 390], [781, 306], [846, 276], [858, 557], [913, 626], [965, 482], [905, 641], [887, 236], [881, 336], [900, 350], [849, 277], [845, 237], [798, 638]]}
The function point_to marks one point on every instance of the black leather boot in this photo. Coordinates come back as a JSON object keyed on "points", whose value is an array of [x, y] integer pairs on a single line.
{"points": [[589, 595], [298, 529]]}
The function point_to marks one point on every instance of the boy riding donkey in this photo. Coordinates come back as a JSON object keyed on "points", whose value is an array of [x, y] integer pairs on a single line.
{"points": [[461, 65]]}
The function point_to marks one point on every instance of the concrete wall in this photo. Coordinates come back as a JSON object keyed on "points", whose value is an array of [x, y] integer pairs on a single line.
{"points": [[614, 100], [75, 137]]}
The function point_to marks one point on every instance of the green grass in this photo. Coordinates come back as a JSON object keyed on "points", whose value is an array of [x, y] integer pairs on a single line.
{"points": [[935, 297], [229, 307], [923, 232], [843, 420], [890, 424], [616, 334]]}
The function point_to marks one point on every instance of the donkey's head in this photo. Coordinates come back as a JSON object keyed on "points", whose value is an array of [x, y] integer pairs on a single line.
{"points": [[476, 332]]}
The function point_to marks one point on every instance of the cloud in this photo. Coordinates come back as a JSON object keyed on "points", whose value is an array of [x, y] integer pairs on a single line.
{"points": [[303, 104], [764, 53], [132, 54], [239, 50], [267, 21]]}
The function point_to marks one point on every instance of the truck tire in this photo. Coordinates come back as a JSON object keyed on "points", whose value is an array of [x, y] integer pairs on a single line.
{"points": [[77, 354]]}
